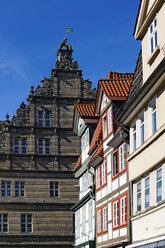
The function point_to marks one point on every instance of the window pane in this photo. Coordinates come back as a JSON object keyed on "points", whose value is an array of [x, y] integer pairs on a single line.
{"points": [[159, 185], [114, 161], [147, 192]]}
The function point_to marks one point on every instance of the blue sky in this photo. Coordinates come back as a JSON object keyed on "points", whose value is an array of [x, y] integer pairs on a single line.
{"points": [[31, 31]]}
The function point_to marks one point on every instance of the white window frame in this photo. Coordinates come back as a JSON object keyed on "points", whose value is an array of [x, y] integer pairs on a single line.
{"points": [[99, 221], [123, 210], [27, 223], [158, 181], [152, 111], [116, 168], [122, 157], [105, 131], [98, 177], [153, 35], [137, 196], [4, 223], [104, 172], [116, 213], [109, 119], [105, 218], [147, 188]]}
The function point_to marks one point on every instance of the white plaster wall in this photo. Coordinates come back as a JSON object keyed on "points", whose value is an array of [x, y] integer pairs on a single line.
{"points": [[123, 179], [115, 183], [123, 231], [115, 234], [149, 225]]}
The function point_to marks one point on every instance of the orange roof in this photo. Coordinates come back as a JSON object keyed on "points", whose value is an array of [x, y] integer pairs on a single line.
{"points": [[78, 164], [85, 110], [116, 86], [96, 136]]}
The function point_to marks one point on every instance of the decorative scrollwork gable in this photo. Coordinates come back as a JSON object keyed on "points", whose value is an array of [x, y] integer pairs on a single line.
{"points": [[23, 116], [46, 89]]}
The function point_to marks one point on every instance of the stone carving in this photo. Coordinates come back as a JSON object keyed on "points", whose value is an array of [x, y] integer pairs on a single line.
{"points": [[23, 116], [64, 61], [86, 89], [46, 89], [2, 141]]}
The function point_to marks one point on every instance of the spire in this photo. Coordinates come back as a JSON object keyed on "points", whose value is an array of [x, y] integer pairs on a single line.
{"points": [[64, 61]]}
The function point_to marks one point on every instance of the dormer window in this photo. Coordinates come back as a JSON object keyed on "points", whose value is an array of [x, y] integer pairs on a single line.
{"points": [[153, 37]]}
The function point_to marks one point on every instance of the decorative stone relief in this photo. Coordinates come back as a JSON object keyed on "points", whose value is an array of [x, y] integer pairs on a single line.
{"points": [[46, 89], [23, 116], [64, 61], [2, 141]]}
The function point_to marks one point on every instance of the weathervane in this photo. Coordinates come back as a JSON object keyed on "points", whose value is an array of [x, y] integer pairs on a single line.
{"points": [[68, 31]]}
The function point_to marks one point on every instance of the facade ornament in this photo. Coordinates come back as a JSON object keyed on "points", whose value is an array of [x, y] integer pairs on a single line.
{"points": [[64, 61], [23, 116], [46, 89]]}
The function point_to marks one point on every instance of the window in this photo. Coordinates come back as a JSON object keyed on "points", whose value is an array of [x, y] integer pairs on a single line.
{"points": [[26, 223], [137, 132], [142, 129], [159, 185], [147, 192], [90, 216], [115, 163], [5, 188], [99, 213], [19, 188], [47, 119], [107, 123], [3, 223], [24, 146], [122, 155], [119, 160], [104, 100], [16, 146], [104, 127], [83, 221], [101, 175], [139, 196], [123, 210], [102, 219], [119, 211], [40, 118], [134, 137], [47, 146], [77, 224], [40, 146], [152, 117], [20, 145], [153, 37], [110, 125], [104, 172], [105, 219], [98, 177], [54, 189], [116, 213]]}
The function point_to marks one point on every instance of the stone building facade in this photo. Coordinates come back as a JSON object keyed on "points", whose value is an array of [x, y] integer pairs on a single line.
{"points": [[38, 151]]}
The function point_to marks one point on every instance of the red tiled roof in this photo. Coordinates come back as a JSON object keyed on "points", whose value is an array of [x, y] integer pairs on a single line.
{"points": [[85, 110], [78, 164], [96, 136], [117, 84]]}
